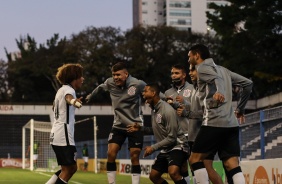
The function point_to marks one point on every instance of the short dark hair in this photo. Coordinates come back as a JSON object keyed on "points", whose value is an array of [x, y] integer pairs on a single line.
{"points": [[119, 66], [193, 67], [179, 67], [154, 87], [202, 50]]}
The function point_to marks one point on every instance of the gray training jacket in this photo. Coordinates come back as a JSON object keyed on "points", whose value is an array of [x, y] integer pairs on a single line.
{"points": [[213, 78], [195, 115], [166, 129], [185, 91], [126, 101]]}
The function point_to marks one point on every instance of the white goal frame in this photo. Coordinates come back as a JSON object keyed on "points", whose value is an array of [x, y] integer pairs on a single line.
{"points": [[46, 127]]}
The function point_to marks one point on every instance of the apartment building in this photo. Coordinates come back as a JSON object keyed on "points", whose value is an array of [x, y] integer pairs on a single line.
{"points": [[187, 15]]}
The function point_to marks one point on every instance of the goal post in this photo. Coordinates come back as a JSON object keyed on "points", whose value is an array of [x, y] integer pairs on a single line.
{"points": [[37, 153]]}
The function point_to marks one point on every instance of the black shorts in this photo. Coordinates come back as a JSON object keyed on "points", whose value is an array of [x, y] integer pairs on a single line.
{"points": [[209, 157], [164, 160], [66, 155], [118, 136], [224, 141]]}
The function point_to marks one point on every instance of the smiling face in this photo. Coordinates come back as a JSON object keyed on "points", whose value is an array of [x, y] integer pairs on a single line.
{"points": [[193, 73], [148, 95], [120, 77]]}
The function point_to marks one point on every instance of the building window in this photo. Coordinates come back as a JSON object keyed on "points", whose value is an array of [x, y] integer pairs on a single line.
{"points": [[144, 3], [175, 22], [180, 13], [144, 11], [180, 4]]}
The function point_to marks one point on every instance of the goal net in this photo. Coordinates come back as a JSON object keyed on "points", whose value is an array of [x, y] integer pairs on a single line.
{"points": [[37, 153]]}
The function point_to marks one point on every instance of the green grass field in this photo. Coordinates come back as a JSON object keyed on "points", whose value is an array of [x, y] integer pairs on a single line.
{"points": [[20, 176]]}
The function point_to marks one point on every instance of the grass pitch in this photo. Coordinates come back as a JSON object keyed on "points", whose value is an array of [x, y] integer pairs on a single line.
{"points": [[21, 176]]}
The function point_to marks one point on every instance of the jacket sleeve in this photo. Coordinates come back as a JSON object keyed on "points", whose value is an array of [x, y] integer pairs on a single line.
{"points": [[246, 85]]}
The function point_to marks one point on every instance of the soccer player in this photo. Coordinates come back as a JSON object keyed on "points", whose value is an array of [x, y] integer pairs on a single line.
{"points": [[170, 138], [180, 94], [195, 114], [62, 132], [85, 156], [36, 145], [126, 96], [220, 128]]}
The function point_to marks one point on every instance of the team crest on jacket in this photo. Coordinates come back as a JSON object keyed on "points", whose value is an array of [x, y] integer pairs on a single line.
{"points": [[131, 91], [186, 92], [158, 118]]}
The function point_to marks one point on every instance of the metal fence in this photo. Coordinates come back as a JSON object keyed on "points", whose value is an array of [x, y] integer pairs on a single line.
{"points": [[261, 135]]}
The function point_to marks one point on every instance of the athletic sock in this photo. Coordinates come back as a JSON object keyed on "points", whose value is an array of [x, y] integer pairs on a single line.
{"points": [[187, 179], [228, 175], [200, 172], [237, 175], [54, 178], [136, 173], [60, 181], [111, 172]]}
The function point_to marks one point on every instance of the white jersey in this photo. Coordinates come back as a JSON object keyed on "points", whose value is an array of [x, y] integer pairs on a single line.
{"points": [[62, 133]]}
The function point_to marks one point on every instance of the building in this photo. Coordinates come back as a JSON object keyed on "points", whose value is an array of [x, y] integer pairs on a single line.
{"points": [[187, 15]]}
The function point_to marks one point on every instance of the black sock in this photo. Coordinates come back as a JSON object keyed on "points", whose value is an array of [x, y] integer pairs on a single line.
{"points": [[111, 166], [59, 181], [136, 169], [58, 173]]}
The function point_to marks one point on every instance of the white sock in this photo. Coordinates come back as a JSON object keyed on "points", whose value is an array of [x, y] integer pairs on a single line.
{"points": [[52, 180], [135, 178], [187, 179], [111, 177], [202, 176], [239, 178]]}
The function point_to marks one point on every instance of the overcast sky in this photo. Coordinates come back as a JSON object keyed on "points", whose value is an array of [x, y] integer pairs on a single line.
{"points": [[42, 18]]}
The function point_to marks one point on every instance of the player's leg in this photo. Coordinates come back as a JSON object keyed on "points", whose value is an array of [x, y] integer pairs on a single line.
{"points": [[66, 157], [135, 144], [229, 153], [54, 178], [213, 175], [115, 141], [206, 142], [175, 162], [159, 167]]}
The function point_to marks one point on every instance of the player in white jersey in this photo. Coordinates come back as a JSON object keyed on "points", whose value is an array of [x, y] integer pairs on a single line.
{"points": [[62, 133]]}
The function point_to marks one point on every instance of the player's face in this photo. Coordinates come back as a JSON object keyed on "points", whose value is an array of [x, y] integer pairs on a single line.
{"points": [[148, 95], [78, 83], [193, 73], [120, 77], [178, 74], [192, 58]]}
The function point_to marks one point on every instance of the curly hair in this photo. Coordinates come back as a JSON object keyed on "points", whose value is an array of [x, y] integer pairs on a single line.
{"points": [[69, 72]]}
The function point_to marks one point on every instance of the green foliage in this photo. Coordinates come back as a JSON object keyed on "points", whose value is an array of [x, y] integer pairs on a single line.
{"points": [[251, 37], [150, 53]]}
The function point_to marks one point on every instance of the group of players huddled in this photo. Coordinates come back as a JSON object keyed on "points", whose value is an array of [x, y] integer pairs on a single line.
{"points": [[191, 123]]}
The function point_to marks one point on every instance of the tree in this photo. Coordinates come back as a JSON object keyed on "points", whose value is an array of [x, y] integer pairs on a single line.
{"points": [[152, 51], [31, 76], [251, 35], [4, 88]]}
